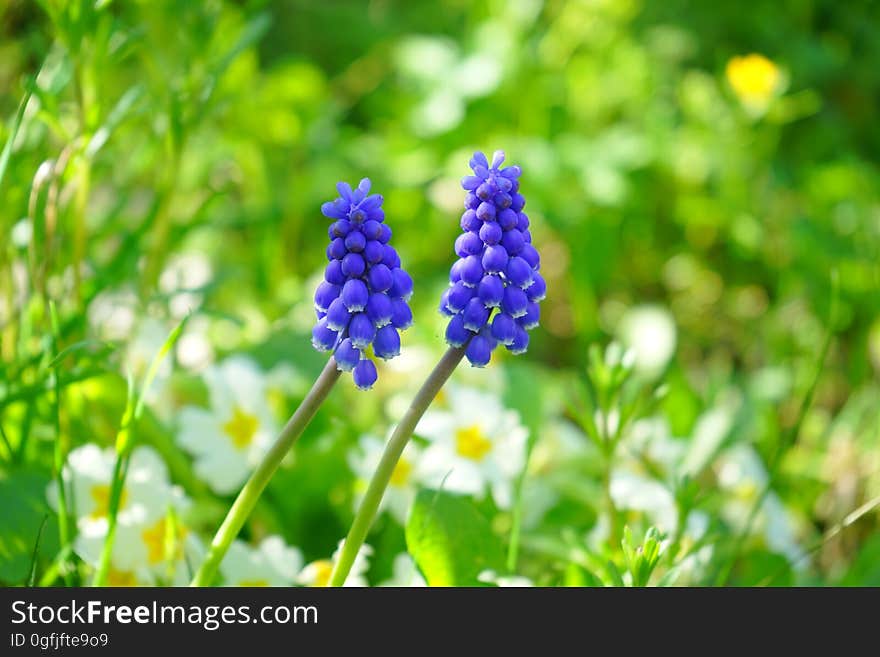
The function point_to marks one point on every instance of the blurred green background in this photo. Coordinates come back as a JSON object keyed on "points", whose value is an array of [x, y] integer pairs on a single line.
{"points": [[670, 174]]}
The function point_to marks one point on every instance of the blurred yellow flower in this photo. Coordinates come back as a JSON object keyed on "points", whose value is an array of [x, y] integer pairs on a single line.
{"points": [[754, 78]]}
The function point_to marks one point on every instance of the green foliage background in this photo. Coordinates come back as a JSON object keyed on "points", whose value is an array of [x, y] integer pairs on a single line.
{"points": [[220, 127]]}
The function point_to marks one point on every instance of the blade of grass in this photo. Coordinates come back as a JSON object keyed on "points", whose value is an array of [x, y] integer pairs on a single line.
{"points": [[33, 570], [6, 443], [6, 154], [848, 520], [114, 118], [54, 570], [80, 346], [124, 443], [60, 451]]}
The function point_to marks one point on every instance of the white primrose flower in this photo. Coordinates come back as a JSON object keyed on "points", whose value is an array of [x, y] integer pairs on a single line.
{"points": [[151, 542], [228, 440], [271, 563], [151, 554], [404, 573], [318, 573], [146, 496], [402, 486], [476, 444]]}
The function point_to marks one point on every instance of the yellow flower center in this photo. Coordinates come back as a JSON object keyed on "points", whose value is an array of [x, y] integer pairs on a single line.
{"points": [[253, 582], [401, 473], [121, 578], [753, 77], [241, 428], [156, 539], [471, 443], [323, 570], [101, 496]]}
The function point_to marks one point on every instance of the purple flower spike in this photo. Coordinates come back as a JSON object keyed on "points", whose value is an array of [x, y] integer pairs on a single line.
{"points": [[497, 266], [362, 301]]}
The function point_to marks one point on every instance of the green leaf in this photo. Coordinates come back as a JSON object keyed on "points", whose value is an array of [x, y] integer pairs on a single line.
{"points": [[98, 347], [451, 542], [116, 116], [23, 500], [641, 559], [6, 153]]}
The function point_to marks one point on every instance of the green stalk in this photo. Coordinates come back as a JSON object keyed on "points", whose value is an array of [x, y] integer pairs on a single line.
{"points": [[120, 469], [124, 446], [402, 433], [247, 499], [515, 528], [516, 519], [608, 498], [60, 452]]}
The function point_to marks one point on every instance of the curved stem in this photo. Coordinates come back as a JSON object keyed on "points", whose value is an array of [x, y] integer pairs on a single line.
{"points": [[117, 483], [402, 433], [247, 498]]}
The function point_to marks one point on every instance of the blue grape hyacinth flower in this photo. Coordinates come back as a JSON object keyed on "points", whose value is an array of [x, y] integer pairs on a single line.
{"points": [[495, 286], [362, 302]]}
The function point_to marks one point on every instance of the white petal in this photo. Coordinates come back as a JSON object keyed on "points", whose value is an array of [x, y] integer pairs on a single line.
{"points": [[244, 381], [223, 469], [286, 561], [436, 425], [435, 463], [198, 430], [509, 451], [462, 476], [502, 493]]}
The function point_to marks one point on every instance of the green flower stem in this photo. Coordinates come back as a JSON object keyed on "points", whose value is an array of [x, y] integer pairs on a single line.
{"points": [[60, 450], [120, 470], [254, 487], [125, 439], [402, 433]]}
